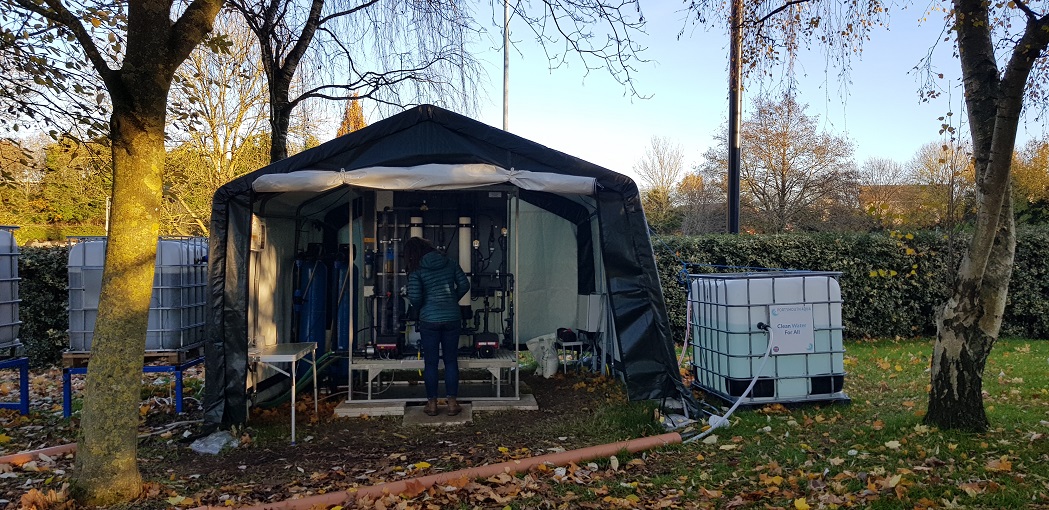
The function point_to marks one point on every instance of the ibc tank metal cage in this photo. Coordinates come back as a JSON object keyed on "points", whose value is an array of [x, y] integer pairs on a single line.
{"points": [[803, 312], [177, 307], [9, 300]]}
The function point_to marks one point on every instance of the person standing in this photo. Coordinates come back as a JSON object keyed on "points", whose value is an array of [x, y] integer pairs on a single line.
{"points": [[435, 286]]}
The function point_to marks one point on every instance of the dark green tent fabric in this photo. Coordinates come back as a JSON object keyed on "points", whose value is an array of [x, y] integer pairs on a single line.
{"points": [[424, 135]]}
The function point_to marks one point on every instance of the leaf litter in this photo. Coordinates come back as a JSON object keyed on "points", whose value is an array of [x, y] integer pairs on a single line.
{"points": [[876, 450]]}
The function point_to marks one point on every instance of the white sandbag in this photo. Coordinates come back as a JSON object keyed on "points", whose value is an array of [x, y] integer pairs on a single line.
{"points": [[550, 362], [534, 347]]}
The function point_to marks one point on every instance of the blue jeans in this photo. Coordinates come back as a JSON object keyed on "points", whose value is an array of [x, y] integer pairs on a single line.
{"points": [[440, 340]]}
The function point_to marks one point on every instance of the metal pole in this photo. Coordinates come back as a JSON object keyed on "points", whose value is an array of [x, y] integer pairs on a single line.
{"points": [[506, 65], [351, 333], [516, 226], [735, 102]]}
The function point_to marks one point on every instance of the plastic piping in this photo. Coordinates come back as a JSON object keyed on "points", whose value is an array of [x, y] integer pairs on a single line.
{"points": [[23, 457], [716, 421], [514, 466]]}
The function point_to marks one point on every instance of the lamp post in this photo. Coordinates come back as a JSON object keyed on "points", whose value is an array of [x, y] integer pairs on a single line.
{"points": [[735, 102], [506, 65]]}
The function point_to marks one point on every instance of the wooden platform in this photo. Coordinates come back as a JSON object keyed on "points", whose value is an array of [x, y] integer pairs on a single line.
{"points": [[78, 359]]}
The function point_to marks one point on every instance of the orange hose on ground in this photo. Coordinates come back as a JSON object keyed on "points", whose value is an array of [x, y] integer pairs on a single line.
{"points": [[513, 466], [23, 457]]}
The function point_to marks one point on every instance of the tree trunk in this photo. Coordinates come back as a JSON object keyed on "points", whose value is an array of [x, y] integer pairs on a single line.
{"points": [[280, 121], [967, 329], [968, 325], [106, 460]]}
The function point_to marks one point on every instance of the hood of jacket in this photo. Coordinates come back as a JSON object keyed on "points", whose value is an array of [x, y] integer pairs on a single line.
{"points": [[433, 260]]}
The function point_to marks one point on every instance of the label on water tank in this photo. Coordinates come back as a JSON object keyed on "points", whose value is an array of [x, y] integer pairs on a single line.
{"points": [[792, 330]]}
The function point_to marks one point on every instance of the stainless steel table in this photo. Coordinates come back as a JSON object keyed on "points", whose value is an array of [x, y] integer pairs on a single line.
{"points": [[289, 353]]}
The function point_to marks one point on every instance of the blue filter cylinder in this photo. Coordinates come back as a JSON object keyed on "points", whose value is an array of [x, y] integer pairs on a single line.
{"points": [[343, 288], [312, 295]]}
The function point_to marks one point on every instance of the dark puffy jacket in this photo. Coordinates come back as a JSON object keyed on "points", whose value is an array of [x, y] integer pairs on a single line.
{"points": [[435, 288]]}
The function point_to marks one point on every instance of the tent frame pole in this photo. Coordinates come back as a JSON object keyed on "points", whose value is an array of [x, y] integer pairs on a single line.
{"points": [[517, 273], [352, 322]]}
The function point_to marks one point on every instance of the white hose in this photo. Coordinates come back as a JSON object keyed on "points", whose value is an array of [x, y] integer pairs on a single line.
{"points": [[716, 421]]}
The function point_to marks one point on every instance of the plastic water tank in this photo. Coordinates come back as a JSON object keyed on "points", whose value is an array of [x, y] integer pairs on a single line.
{"points": [[804, 311], [9, 322], [178, 306]]}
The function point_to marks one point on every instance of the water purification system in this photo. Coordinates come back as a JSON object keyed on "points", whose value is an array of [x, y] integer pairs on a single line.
{"points": [[477, 240], [389, 339], [177, 308], [490, 288], [800, 309], [9, 323]]}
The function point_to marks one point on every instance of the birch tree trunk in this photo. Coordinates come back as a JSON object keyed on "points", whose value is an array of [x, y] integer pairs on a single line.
{"points": [[969, 323]]}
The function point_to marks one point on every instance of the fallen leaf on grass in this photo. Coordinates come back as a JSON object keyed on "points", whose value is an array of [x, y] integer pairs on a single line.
{"points": [[892, 445], [999, 465]]}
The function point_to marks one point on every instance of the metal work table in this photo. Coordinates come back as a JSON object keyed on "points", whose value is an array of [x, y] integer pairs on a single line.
{"points": [[502, 360], [289, 353]]}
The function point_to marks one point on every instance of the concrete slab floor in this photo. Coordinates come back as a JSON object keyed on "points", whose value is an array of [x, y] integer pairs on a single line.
{"points": [[414, 415], [369, 408], [526, 403]]}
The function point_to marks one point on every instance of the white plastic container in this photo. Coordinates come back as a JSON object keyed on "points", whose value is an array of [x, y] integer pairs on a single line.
{"points": [[804, 312], [177, 308], [9, 300]]}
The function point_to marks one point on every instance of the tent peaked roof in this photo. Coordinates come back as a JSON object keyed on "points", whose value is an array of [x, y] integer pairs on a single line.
{"points": [[428, 134]]}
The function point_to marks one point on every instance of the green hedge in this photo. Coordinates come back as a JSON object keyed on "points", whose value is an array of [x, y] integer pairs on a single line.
{"points": [[892, 283], [45, 233], [44, 295]]}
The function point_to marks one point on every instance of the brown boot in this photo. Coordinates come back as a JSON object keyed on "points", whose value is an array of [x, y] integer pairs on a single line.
{"points": [[431, 407], [453, 407]]}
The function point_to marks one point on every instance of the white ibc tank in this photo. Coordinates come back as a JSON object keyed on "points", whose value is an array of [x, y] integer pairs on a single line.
{"points": [[8, 289], [178, 305], [804, 312]]}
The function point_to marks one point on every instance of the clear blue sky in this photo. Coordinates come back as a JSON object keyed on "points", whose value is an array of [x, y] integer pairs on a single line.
{"points": [[591, 117]]}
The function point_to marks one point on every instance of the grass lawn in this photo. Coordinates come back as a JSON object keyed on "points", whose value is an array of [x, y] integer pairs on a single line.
{"points": [[875, 452]]}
